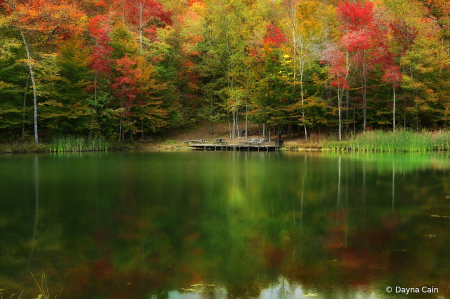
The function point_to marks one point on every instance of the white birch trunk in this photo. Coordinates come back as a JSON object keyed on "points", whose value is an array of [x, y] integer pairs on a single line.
{"points": [[393, 113], [30, 66]]}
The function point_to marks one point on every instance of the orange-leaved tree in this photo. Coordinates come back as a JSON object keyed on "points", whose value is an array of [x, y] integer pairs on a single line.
{"points": [[41, 23]]}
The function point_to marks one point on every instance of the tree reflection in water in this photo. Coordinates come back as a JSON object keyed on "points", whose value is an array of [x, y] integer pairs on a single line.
{"points": [[225, 225]]}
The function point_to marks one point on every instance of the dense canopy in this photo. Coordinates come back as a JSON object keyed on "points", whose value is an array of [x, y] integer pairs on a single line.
{"points": [[118, 68]]}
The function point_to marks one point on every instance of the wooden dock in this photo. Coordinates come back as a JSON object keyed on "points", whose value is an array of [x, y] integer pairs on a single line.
{"points": [[234, 147]]}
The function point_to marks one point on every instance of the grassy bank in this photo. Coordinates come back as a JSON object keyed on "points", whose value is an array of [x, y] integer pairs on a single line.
{"points": [[398, 141], [59, 144]]}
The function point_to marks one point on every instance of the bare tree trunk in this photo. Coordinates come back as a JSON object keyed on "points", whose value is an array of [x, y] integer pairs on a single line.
{"points": [[393, 112], [229, 124], [347, 125], [347, 71], [140, 26], [24, 106], [95, 103], [246, 119], [212, 123], [120, 122], [30, 66], [234, 125], [302, 97], [364, 90], [237, 123], [120, 129]]}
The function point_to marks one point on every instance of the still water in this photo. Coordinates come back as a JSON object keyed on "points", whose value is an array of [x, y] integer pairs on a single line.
{"points": [[225, 225]]}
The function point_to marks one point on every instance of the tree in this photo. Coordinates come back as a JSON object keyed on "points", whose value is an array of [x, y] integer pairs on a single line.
{"points": [[134, 87], [364, 41], [11, 81], [305, 27], [394, 77], [72, 88], [100, 59], [40, 23]]}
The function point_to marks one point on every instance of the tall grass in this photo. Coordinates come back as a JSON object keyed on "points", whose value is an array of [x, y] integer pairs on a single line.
{"points": [[43, 288], [398, 141], [78, 144]]}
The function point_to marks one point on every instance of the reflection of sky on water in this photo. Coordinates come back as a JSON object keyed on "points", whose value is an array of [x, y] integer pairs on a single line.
{"points": [[282, 290], [196, 295]]}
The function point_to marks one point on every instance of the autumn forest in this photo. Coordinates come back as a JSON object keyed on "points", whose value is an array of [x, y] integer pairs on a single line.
{"points": [[131, 68]]}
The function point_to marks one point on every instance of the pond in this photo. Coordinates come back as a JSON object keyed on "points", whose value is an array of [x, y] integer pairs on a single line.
{"points": [[191, 225]]}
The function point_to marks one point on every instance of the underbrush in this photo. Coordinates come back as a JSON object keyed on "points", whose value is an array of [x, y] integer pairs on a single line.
{"points": [[24, 147]]}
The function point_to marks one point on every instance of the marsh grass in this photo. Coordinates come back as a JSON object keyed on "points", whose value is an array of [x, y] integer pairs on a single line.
{"points": [[43, 288], [78, 144], [398, 141]]}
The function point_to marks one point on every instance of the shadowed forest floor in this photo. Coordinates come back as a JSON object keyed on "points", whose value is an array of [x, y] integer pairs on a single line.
{"points": [[177, 139]]}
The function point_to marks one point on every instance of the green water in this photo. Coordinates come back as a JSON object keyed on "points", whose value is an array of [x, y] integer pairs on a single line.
{"points": [[224, 225]]}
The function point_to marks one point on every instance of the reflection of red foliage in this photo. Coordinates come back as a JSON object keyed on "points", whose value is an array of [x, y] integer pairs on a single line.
{"points": [[274, 257], [391, 222], [337, 232], [352, 259], [197, 251], [336, 238], [339, 215], [102, 269], [80, 277]]}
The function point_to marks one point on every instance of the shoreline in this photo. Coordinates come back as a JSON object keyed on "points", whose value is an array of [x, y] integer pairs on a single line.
{"points": [[372, 141]]}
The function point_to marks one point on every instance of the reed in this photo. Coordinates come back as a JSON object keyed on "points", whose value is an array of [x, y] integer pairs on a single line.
{"points": [[398, 141], [78, 144]]}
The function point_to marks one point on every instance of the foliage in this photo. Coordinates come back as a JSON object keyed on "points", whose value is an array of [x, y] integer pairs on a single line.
{"points": [[97, 68]]}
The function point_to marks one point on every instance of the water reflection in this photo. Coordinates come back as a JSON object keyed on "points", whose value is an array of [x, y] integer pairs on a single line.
{"points": [[36, 216], [224, 224]]}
